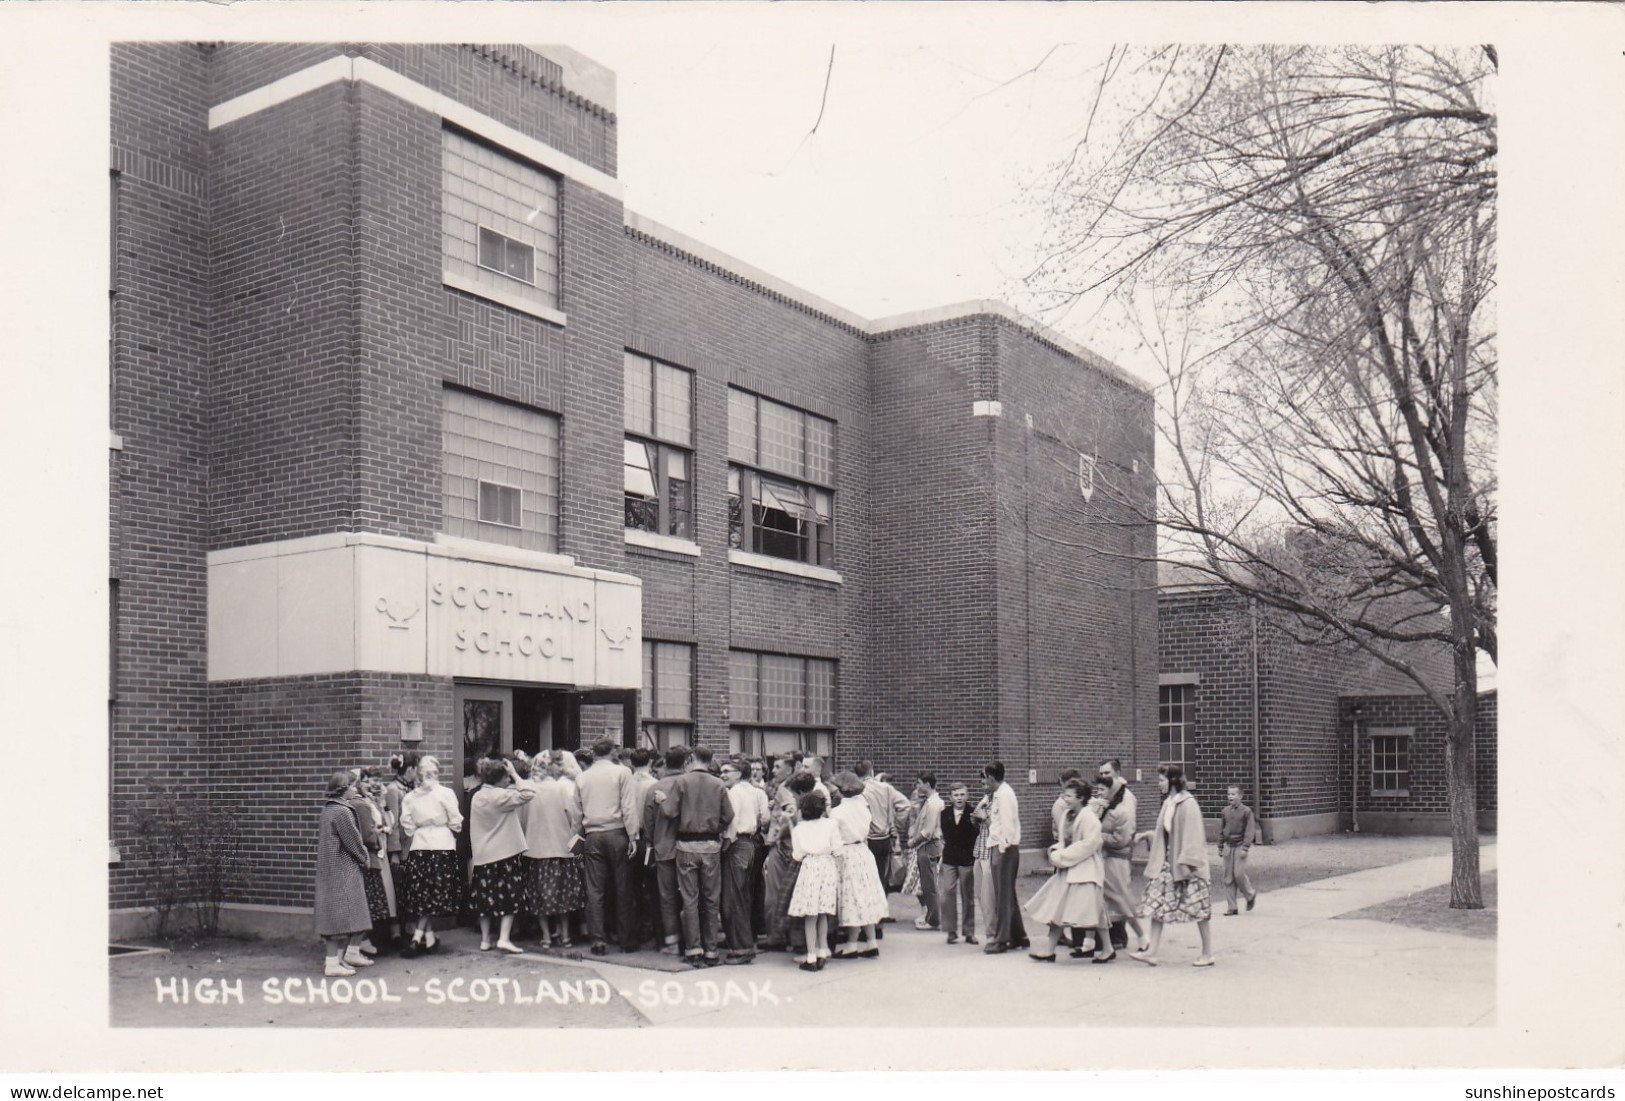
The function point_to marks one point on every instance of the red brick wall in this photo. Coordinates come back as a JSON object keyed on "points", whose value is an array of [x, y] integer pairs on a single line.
{"points": [[275, 742], [1428, 795], [1304, 731], [731, 332], [934, 627], [510, 83], [159, 480], [284, 400], [1206, 633], [1077, 588]]}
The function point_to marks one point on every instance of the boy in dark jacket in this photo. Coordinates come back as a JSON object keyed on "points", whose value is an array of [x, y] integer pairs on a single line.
{"points": [[956, 885]]}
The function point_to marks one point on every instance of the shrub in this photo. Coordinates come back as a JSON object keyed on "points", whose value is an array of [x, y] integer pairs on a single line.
{"points": [[189, 859]]}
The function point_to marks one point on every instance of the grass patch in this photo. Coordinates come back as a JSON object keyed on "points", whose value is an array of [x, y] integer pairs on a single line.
{"points": [[1430, 910]]}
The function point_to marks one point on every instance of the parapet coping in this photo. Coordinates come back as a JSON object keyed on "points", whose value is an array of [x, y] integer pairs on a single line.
{"points": [[873, 328]]}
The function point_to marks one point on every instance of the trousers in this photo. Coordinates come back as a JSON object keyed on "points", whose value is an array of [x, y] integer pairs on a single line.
{"points": [[671, 903], [609, 871], [1235, 875], [737, 865], [958, 889], [984, 898], [1009, 931], [699, 883], [926, 857]]}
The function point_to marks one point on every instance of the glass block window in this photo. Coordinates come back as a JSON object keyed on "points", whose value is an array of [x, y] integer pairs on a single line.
{"points": [[668, 693], [500, 476], [779, 500], [778, 702], [1176, 726], [779, 439], [1391, 762], [499, 223], [659, 416]]}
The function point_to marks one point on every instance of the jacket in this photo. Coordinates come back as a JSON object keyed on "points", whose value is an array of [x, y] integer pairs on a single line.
{"points": [[959, 838], [1117, 825], [1183, 845], [1080, 855], [661, 830]]}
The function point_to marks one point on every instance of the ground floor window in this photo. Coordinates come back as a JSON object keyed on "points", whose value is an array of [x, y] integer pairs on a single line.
{"points": [[780, 702], [1391, 762], [1176, 726], [667, 717], [755, 741]]}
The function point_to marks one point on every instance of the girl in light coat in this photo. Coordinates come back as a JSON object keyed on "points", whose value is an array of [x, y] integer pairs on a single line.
{"points": [[1178, 881], [1071, 897]]}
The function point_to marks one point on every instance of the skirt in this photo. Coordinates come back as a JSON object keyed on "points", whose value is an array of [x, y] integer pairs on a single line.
{"points": [[377, 898], [863, 898], [401, 874], [1061, 903], [1118, 890], [434, 883], [1166, 900], [818, 887], [556, 885], [500, 888]]}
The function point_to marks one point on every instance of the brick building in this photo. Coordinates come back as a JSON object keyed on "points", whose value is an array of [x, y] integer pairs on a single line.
{"points": [[1339, 739], [422, 440]]}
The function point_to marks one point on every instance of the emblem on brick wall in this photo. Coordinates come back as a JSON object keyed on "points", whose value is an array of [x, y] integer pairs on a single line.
{"points": [[399, 614], [1086, 476]]}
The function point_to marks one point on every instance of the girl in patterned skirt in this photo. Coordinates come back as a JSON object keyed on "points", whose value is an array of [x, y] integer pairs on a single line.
{"points": [[431, 820], [1178, 881], [552, 823], [863, 897], [817, 893], [501, 884]]}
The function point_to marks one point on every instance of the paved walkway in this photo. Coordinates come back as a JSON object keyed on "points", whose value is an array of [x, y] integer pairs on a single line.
{"points": [[1293, 961], [1287, 963]]}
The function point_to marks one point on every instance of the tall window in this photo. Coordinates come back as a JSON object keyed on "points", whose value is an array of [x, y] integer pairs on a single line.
{"points": [[659, 436], [781, 500], [501, 474], [668, 693], [499, 224], [1176, 725], [777, 703], [1391, 763]]}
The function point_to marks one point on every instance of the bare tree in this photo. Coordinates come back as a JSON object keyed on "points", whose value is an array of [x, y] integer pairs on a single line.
{"points": [[1305, 237]]}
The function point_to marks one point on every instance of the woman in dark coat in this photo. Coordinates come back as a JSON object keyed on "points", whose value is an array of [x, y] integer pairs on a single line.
{"points": [[342, 917]]}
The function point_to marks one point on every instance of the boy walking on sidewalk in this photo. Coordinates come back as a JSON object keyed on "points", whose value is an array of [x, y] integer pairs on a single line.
{"points": [[1235, 838]]}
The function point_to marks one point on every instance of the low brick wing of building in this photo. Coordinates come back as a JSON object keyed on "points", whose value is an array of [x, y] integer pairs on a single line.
{"points": [[1319, 739]]}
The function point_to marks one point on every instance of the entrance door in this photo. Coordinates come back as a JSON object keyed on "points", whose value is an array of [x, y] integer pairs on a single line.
{"points": [[485, 715]]}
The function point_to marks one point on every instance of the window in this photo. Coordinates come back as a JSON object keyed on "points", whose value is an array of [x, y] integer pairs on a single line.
{"points": [[510, 257], [1391, 762], [778, 703], [659, 433], [499, 504], [1176, 725], [782, 465], [501, 472], [668, 694], [499, 225]]}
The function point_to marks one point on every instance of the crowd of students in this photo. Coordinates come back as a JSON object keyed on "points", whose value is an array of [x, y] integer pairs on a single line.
{"points": [[719, 858]]}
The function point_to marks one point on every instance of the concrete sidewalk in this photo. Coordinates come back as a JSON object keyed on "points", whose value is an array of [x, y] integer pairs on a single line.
{"points": [[1287, 963], [1293, 961]]}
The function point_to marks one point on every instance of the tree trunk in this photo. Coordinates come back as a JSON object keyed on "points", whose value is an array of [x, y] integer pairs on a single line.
{"points": [[1461, 778]]}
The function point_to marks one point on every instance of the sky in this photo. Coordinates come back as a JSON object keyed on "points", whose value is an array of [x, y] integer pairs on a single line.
{"points": [[903, 188]]}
